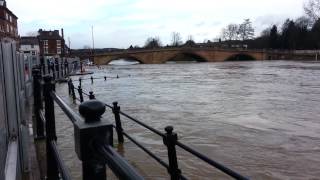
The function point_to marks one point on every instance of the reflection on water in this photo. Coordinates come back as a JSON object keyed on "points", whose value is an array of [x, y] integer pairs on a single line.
{"points": [[123, 62], [261, 119]]}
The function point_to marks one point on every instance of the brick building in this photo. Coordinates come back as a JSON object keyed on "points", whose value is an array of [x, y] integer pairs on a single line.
{"points": [[8, 23], [51, 43]]}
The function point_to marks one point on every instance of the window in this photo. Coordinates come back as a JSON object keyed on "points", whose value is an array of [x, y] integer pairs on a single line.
{"points": [[46, 50], [7, 16], [58, 50], [8, 28], [45, 42], [32, 46], [33, 53]]}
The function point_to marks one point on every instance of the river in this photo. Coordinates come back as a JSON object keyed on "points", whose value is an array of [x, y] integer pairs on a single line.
{"points": [[259, 118]]}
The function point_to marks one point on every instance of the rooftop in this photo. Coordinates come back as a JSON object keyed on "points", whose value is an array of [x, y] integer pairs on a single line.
{"points": [[49, 34], [29, 40]]}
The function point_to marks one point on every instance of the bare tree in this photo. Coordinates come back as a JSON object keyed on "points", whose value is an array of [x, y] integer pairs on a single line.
{"points": [[176, 39], [190, 38], [312, 9], [190, 41], [153, 42], [230, 32], [246, 30]]}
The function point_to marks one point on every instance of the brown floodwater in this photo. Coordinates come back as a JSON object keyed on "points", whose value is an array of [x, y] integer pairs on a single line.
{"points": [[261, 119]]}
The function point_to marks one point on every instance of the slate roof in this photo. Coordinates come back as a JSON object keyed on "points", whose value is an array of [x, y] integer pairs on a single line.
{"points": [[29, 40]]}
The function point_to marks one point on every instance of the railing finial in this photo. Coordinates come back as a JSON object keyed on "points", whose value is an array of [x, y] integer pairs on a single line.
{"points": [[92, 110]]}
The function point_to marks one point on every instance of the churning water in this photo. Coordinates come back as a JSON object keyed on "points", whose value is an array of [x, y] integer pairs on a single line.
{"points": [[261, 119]]}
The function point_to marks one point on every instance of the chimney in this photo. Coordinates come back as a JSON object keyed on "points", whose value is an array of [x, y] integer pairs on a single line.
{"points": [[3, 3], [62, 33]]}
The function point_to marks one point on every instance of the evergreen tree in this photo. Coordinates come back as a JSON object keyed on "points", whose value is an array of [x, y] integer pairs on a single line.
{"points": [[274, 38]]}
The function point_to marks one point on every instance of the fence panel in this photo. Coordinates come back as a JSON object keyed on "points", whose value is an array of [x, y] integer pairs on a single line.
{"points": [[3, 119]]}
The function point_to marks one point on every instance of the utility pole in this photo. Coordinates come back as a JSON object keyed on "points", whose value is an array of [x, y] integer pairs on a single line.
{"points": [[92, 43]]}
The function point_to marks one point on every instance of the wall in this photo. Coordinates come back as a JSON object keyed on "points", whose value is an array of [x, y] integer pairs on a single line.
{"points": [[14, 78]]}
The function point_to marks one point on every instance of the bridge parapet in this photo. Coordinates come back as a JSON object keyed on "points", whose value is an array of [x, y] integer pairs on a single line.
{"points": [[162, 55]]}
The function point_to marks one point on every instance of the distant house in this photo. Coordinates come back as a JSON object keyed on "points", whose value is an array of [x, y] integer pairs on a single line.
{"points": [[51, 43], [8, 24], [30, 45]]}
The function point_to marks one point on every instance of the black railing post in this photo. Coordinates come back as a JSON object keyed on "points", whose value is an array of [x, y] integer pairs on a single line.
{"points": [[116, 112], [61, 67], [91, 79], [80, 93], [53, 71], [88, 133], [91, 95], [57, 70], [37, 102], [169, 140], [72, 91], [105, 78], [80, 82], [52, 168], [69, 86], [48, 66], [65, 67]]}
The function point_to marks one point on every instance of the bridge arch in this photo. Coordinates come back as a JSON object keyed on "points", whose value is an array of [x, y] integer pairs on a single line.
{"points": [[240, 57], [127, 57], [186, 56]]}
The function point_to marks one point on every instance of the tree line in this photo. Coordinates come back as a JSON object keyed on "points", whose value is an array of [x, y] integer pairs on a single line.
{"points": [[301, 33]]}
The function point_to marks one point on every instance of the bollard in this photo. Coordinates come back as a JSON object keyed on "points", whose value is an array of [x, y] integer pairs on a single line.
{"points": [[170, 141], [61, 67], [52, 168], [66, 69], [116, 112], [80, 93], [117, 76], [88, 133], [72, 91], [80, 82], [91, 80], [105, 78], [69, 85], [57, 70], [91, 95], [37, 103]]}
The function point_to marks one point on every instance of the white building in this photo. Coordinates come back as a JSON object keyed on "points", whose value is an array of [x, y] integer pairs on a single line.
{"points": [[30, 45]]}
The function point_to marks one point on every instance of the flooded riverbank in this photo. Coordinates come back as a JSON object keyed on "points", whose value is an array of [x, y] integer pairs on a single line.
{"points": [[261, 119]]}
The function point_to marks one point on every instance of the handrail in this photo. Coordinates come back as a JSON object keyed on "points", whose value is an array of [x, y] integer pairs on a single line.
{"points": [[115, 162], [104, 77], [164, 164], [63, 169], [183, 146], [143, 124], [65, 108], [211, 162]]}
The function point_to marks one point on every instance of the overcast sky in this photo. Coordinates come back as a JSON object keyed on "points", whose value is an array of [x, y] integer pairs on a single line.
{"points": [[120, 23]]}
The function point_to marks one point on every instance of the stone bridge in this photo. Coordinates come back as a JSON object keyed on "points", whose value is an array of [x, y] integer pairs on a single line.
{"points": [[162, 55]]}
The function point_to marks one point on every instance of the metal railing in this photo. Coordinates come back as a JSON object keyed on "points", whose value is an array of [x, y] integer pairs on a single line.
{"points": [[170, 139], [93, 136]]}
